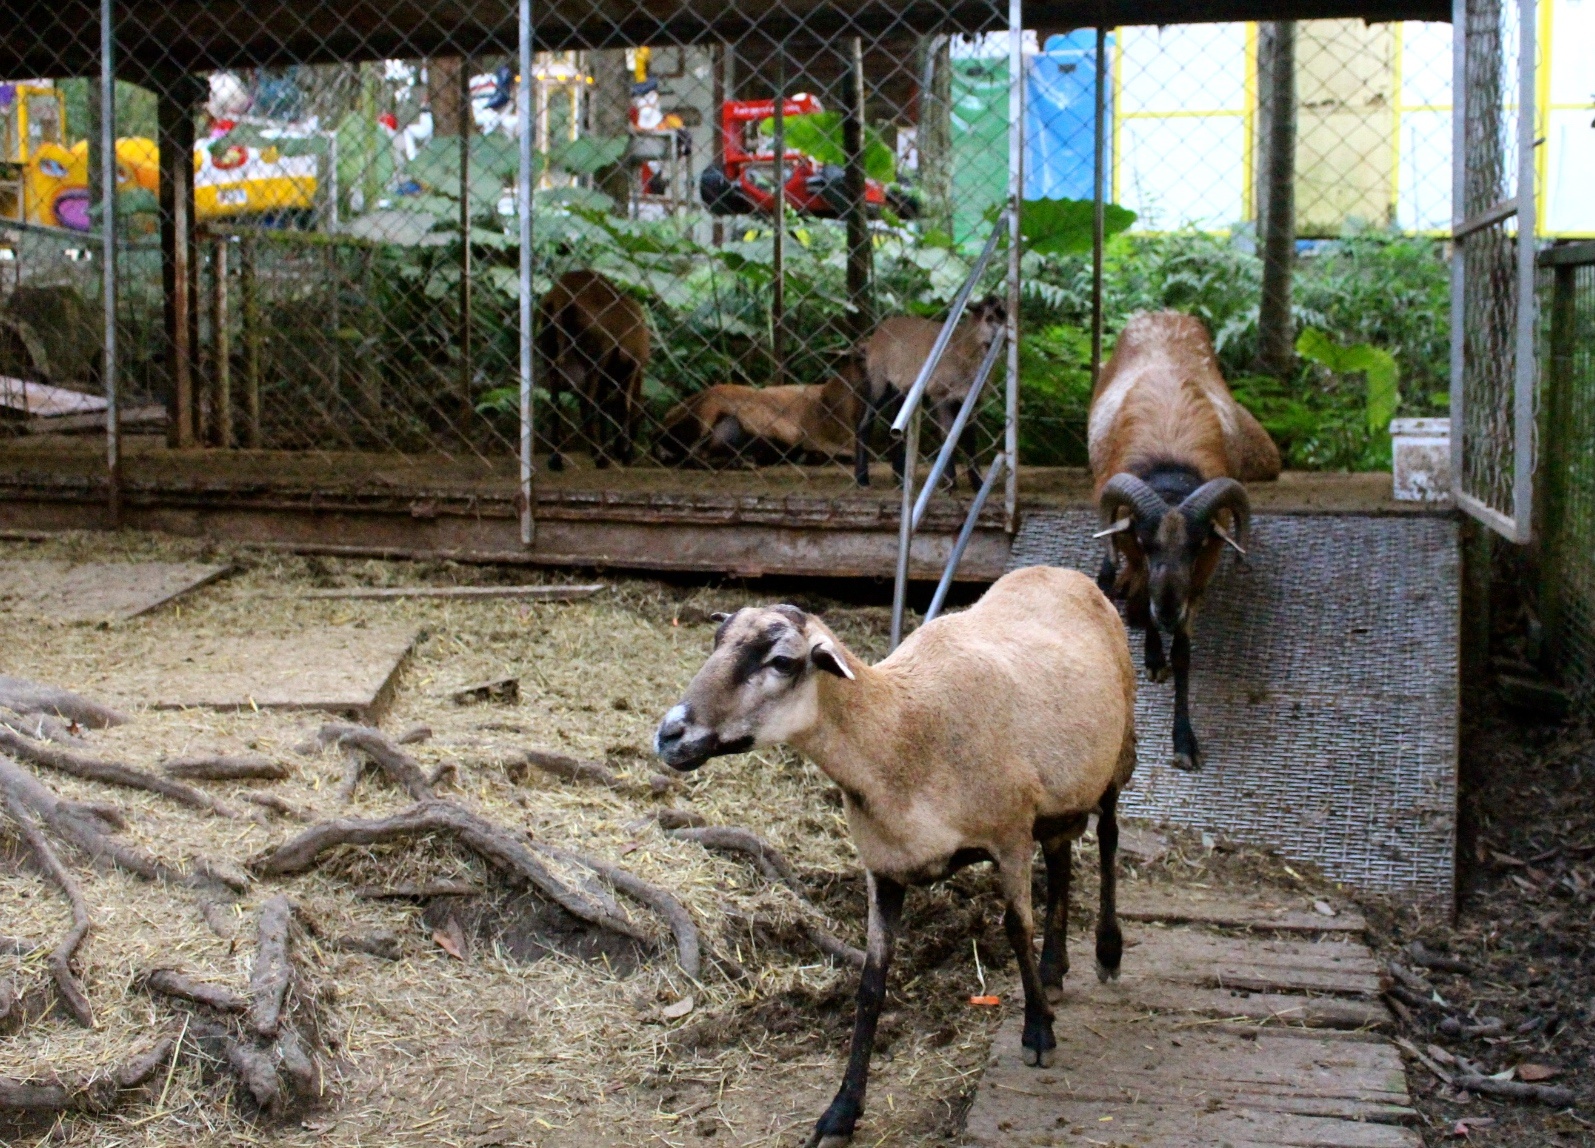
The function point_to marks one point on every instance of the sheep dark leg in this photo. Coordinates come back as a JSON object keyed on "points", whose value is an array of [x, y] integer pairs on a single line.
{"points": [[1019, 922], [1059, 852], [1187, 755], [1110, 941], [1108, 574], [861, 433], [835, 1128]]}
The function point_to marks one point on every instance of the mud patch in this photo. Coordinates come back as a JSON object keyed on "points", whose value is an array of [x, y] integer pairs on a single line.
{"points": [[527, 927]]}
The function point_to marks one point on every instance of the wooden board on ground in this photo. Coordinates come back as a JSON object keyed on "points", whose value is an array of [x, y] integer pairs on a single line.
{"points": [[1154, 1061], [1195, 907], [344, 669], [542, 593], [96, 591]]}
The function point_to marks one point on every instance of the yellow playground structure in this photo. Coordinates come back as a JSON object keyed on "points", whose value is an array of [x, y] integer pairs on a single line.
{"points": [[44, 180]]}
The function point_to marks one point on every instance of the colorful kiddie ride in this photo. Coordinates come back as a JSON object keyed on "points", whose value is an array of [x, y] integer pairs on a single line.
{"points": [[45, 181], [745, 185]]}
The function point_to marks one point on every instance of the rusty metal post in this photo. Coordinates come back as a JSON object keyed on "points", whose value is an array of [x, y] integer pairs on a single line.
{"points": [[523, 189], [175, 102], [778, 262], [467, 368], [1099, 203], [221, 347], [860, 256], [248, 289], [107, 192]]}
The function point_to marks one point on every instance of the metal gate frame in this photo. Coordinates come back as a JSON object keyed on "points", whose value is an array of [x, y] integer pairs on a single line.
{"points": [[1515, 526]]}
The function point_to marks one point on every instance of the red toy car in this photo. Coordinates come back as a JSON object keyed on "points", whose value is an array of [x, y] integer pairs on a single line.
{"points": [[746, 185]]}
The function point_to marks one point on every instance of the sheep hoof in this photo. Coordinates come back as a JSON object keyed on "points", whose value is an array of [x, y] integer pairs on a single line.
{"points": [[1039, 1057], [1054, 993], [1161, 674], [1185, 762], [1105, 974], [556, 462], [832, 1140]]}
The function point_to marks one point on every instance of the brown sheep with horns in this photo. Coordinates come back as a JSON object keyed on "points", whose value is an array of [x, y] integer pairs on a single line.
{"points": [[1170, 448]]}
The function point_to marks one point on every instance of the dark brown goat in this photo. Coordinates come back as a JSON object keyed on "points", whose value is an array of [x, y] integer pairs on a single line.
{"points": [[893, 356], [594, 339], [1170, 447]]}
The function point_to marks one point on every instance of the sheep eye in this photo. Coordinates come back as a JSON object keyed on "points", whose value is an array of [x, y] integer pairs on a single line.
{"points": [[783, 665]]}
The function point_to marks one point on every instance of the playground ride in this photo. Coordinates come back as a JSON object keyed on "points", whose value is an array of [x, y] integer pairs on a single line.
{"points": [[746, 183]]}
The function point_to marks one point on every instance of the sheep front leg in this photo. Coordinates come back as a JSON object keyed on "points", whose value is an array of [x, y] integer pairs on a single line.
{"points": [[1019, 922], [1059, 852], [1187, 755], [835, 1128], [1110, 941]]}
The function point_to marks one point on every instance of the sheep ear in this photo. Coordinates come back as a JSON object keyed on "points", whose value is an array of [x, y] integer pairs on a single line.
{"points": [[827, 657]]}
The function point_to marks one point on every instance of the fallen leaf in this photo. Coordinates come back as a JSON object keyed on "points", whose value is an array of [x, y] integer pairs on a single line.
{"points": [[630, 847], [985, 1001], [1325, 908], [1536, 1072], [678, 1009], [451, 938]]}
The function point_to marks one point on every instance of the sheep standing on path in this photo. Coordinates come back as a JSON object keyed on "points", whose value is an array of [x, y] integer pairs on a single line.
{"points": [[1170, 448], [984, 732]]}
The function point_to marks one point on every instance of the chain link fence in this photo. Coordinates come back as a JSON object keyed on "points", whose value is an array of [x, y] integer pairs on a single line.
{"points": [[319, 234]]}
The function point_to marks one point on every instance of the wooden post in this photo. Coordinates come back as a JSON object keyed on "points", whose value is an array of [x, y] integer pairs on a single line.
{"points": [[102, 190], [1276, 351], [223, 434], [335, 315], [778, 268], [467, 369], [860, 256], [248, 288], [1556, 415], [175, 103]]}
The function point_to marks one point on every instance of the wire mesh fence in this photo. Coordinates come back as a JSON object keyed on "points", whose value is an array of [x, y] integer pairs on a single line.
{"points": [[785, 200]]}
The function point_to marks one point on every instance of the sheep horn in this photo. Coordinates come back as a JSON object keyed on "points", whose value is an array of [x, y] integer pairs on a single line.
{"points": [[1220, 494], [1126, 491]]}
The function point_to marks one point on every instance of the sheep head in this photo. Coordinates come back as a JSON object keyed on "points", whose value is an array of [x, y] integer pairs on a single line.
{"points": [[758, 686], [1173, 550]]}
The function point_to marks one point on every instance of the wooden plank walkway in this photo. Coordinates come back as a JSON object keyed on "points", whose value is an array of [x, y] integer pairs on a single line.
{"points": [[1260, 1040]]}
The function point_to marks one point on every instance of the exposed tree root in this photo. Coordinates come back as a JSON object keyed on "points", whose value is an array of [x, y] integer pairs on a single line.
{"points": [[768, 861], [220, 768], [171, 983], [688, 950], [61, 956], [35, 698], [277, 805], [591, 772], [403, 769], [41, 727], [98, 1092], [109, 772], [268, 982]]}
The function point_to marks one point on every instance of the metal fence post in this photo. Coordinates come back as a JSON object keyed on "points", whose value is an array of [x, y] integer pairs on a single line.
{"points": [[1560, 379], [1016, 150], [1098, 204], [113, 429], [523, 108], [778, 256], [1527, 225]]}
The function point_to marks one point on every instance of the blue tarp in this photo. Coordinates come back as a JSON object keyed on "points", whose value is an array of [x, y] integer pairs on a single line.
{"points": [[1059, 116]]}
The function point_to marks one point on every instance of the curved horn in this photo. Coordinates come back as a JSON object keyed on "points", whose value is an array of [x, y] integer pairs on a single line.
{"points": [[1220, 494], [1126, 491]]}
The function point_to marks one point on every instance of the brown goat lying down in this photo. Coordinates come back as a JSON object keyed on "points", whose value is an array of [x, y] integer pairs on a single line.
{"points": [[732, 424], [1170, 448]]}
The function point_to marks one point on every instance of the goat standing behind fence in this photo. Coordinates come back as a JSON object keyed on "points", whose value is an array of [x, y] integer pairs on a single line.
{"points": [[595, 340]]}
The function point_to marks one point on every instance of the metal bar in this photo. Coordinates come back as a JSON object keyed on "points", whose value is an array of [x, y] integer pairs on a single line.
{"points": [[113, 426], [1016, 175], [998, 465], [467, 367], [1506, 209], [860, 253], [1502, 524], [1527, 216], [971, 401], [523, 108], [1565, 255], [905, 532], [1098, 206], [778, 268], [1459, 184], [221, 346], [917, 392]]}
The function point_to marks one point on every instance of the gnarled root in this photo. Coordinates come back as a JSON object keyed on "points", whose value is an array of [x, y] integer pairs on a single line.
{"points": [[768, 861], [109, 772], [26, 697], [61, 956], [98, 1092]]}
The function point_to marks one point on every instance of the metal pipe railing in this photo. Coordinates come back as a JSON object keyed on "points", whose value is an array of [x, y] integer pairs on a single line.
{"points": [[965, 412], [916, 393], [998, 465]]}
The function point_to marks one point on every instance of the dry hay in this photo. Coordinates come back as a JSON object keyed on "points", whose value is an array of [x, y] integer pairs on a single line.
{"points": [[576, 1047]]}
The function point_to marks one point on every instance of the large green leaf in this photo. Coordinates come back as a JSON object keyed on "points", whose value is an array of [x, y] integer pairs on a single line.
{"points": [[819, 136], [1377, 366], [587, 154], [1064, 226]]}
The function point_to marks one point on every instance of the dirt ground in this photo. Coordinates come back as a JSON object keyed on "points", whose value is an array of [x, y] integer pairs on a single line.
{"points": [[541, 1035]]}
